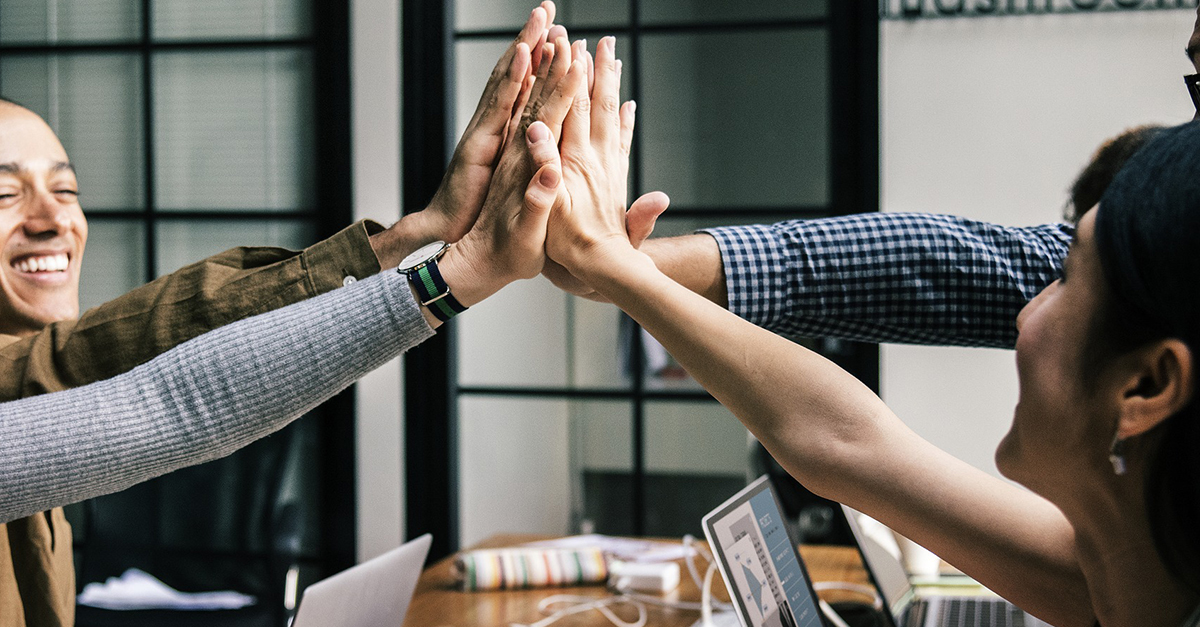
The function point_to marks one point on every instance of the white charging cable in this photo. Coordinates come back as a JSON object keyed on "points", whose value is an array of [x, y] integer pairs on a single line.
{"points": [[623, 596], [586, 604], [857, 588]]}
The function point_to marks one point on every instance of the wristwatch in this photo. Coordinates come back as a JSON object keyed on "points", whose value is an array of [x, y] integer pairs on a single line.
{"points": [[421, 269]]}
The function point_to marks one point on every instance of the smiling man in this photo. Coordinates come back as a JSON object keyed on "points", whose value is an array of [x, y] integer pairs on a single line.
{"points": [[41, 225]]}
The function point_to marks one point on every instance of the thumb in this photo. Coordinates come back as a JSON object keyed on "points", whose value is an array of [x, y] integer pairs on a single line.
{"points": [[547, 177], [542, 192], [639, 221]]}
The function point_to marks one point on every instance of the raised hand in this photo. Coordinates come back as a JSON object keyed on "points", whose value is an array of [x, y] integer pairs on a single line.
{"points": [[589, 220], [459, 198], [639, 225], [507, 241]]}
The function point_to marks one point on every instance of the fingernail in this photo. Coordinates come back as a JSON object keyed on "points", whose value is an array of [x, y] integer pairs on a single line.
{"points": [[632, 106], [538, 133], [548, 177]]}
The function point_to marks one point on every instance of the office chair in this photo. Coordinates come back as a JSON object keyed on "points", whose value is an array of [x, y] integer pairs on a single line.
{"points": [[236, 523]]}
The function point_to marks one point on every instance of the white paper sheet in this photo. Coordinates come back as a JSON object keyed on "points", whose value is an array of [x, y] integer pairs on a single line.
{"points": [[137, 590]]}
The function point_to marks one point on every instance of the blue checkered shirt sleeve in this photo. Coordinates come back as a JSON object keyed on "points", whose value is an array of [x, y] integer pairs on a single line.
{"points": [[890, 277]]}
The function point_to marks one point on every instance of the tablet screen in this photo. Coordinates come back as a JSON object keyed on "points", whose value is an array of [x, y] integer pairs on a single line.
{"points": [[759, 561]]}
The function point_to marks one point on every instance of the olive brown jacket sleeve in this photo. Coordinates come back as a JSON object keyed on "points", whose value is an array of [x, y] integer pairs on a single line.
{"points": [[134, 328]]}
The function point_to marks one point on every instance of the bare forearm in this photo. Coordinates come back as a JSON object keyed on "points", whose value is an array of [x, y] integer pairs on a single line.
{"points": [[694, 261], [839, 439], [790, 397]]}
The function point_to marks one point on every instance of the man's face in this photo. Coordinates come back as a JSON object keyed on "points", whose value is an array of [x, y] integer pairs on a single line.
{"points": [[42, 228]]}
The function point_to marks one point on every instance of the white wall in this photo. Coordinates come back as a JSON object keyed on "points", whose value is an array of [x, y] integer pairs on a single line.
{"points": [[991, 118], [375, 85]]}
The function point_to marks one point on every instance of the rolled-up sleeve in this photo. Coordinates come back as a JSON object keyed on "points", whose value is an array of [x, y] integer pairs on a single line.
{"points": [[890, 277], [130, 330]]}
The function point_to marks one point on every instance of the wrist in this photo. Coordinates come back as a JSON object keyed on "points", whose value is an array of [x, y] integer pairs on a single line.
{"points": [[471, 275], [411, 232], [603, 266]]}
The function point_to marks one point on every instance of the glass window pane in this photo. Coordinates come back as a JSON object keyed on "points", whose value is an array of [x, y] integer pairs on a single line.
{"points": [[697, 456], [514, 471], [476, 15], [67, 21], [717, 136], [114, 261], [233, 19], [180, 242], [530, 334], [234, 130], [93, 102], [601, 466], [599, 345], [515, 338], [654, 12]]}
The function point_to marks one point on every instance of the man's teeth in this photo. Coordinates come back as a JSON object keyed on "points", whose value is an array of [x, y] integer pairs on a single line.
{"points": [[52, 263]]}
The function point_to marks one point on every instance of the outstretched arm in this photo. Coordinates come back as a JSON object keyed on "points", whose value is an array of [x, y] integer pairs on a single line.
{"points": [[218, 392], [887, 277], [201, 400], [877, 277], [826, 428]]}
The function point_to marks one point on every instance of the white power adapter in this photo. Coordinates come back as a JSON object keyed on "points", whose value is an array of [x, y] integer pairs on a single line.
{"points": [[658, 578]]}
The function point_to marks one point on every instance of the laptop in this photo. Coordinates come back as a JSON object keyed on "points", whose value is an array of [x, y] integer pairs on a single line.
{"points": [[759, 562], [376, 592], [908, 609]]}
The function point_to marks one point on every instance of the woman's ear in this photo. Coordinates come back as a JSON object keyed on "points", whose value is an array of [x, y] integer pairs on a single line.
{"points": [[1159, 385]]}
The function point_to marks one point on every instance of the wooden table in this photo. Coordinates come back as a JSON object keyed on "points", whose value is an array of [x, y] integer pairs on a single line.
{"points": [[438, 604]]}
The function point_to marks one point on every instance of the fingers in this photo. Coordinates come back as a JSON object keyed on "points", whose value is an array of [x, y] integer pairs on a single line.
{"points": [[534, 31], [559, 102], [628, 117], [499, 94], [591, 69], [576, 131], [606, 96], [523, 100], [535, 48], [639, 221], [548, 52], [550, 76], [543, 189]]}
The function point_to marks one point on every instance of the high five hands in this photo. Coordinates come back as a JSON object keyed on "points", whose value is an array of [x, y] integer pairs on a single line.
{"points": [[506, 179]]}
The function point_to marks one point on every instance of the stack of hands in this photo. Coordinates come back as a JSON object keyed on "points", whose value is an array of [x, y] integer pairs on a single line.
{"points": [[537, 184]]}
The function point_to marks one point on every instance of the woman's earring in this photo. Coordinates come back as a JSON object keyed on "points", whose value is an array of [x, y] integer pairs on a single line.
{"points": [[1116, 455]]}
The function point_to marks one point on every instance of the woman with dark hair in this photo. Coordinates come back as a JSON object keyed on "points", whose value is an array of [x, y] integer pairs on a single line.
{"points": [[1104, 433]]}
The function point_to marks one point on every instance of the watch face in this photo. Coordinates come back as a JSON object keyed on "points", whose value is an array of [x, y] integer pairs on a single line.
{"points": [[421, 255]]}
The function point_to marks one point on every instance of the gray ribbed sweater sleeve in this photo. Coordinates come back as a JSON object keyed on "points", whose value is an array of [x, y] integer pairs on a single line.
{"points": [[202, 399]]}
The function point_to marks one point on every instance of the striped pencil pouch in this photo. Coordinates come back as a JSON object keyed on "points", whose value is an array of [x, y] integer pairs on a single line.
{"points": [[506, 569]]}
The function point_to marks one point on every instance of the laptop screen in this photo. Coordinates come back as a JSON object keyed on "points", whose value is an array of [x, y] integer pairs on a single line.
{"points": [[758, 560], [884, 570]]}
